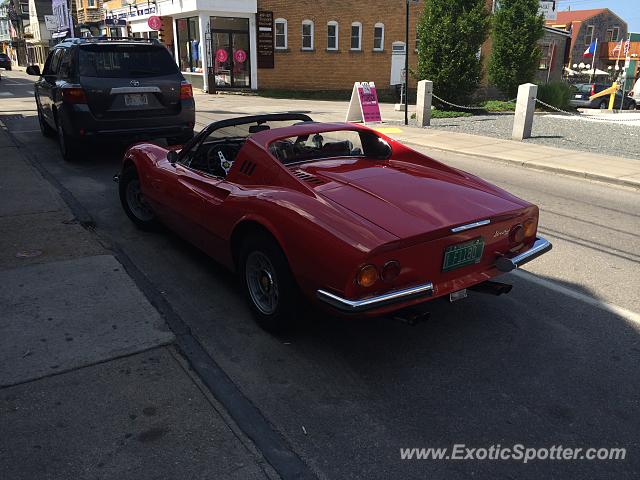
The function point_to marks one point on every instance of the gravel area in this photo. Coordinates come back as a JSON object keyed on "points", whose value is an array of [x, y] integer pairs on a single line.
{"points": [[609, 138]]}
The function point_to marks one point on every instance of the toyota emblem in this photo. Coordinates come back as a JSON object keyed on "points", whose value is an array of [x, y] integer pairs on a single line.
{"points": [[134, 83]]}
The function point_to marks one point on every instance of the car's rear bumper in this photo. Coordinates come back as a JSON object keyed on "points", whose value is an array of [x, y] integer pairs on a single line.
{"points": [[81, 123], [401, 298]]}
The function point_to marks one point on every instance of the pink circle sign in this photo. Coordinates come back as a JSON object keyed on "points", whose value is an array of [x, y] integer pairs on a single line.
{"points": [[221, 55], [240, 56], [154, 22]]}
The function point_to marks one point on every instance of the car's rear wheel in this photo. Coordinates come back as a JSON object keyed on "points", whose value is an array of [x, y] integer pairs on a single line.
{"points": [[133, 201], [69, 149], [268, 283], [45, 129]]}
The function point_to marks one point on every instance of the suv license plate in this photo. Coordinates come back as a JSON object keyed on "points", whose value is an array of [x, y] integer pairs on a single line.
{"points": [[462, 254], [136, 100]]}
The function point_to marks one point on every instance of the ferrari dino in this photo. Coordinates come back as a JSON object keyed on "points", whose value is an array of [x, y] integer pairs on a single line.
{"points": [[337, 213]]}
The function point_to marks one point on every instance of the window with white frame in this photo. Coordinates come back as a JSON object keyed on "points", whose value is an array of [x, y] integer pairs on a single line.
{"points": [[356, 36], [332, 35], [378, 37], [588, 38], [307, 35], [281, 33]]}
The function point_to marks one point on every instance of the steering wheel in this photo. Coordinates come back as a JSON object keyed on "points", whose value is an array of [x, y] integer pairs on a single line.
{"points": [[219, 160]]}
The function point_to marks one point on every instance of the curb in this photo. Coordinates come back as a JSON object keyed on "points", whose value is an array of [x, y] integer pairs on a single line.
{"points": [[543, 168]]}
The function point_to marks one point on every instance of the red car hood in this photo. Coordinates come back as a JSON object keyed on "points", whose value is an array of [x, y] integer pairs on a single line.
{"points": [[408, 199]]}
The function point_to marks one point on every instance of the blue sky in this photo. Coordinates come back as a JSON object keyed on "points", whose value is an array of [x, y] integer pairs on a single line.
{"points": [[629, 10]]}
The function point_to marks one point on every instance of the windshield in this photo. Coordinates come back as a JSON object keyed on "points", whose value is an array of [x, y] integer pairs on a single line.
{"points": [[124, 61], [323, 145]]}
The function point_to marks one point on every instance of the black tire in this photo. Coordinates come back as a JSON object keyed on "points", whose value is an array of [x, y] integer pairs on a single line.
{"points": [[70, 149], [45, 128], [603, 105], [180, 140], [133, 202], [8, 68], [277, 275]]}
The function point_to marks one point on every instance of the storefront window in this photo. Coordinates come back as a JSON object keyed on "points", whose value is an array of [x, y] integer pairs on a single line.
{"points": [[189, 44], [231, 52]]}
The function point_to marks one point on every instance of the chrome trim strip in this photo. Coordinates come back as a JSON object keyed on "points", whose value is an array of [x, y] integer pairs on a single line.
{"points": [[469, 226], [354, 306], [115, 90], [540, 246]]}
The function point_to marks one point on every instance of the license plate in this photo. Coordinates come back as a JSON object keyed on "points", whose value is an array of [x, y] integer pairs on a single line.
{"points": [[462, 254], [578, 96], [136, 100]]}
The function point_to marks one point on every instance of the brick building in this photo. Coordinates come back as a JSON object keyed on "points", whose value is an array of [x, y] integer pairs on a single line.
{"points": [[90, 17], [334, 44]]}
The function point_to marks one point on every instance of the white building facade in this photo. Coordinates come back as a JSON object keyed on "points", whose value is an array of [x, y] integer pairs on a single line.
{"points": [[212, 41]]}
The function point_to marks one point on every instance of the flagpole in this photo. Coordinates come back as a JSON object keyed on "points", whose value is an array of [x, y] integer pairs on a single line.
{"points": [[593, 65]]}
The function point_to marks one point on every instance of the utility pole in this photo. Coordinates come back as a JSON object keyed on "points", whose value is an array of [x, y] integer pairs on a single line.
{"points": [[406, 68]]}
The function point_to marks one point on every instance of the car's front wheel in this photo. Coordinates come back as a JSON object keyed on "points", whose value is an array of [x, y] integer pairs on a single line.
{"points": [[133, 201], [268, 283], [69, 149], [45, 129]]}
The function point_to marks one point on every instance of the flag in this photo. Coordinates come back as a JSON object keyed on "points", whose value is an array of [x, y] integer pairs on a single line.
{"points": [[627, 45], [617, 48], [591, 50]]}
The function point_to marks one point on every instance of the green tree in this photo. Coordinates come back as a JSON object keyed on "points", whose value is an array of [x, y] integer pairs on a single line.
{"points": [[450, 34], [516, 54]]}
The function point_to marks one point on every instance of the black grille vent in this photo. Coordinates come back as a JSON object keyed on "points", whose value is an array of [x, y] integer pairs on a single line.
{"points": [[309, 178], [248, 167]]}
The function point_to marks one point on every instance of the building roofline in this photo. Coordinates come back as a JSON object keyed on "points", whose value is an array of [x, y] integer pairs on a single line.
{"points": [[558, 31]]}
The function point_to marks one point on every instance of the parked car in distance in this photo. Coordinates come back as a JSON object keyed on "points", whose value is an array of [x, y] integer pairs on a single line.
{"points": [[354, 221], [5, 61], [116, 89], [582, 91]]}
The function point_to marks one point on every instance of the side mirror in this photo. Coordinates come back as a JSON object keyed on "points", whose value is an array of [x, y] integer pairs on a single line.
{"points": [[33, 70], [172, 156]]}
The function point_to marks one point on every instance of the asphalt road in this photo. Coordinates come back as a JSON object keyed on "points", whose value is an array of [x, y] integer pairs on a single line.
{"points": [[553, 363]]}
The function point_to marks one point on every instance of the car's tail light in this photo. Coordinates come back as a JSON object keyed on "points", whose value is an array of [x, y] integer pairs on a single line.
{"points": [[530, 227], [516, 234], [390, 271], [367, 276], [593, 89], [186, 91], [73, 95]]}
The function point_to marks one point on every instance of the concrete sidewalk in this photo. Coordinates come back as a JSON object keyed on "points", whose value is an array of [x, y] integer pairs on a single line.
{"points": [[91, 385], [610, 169]]}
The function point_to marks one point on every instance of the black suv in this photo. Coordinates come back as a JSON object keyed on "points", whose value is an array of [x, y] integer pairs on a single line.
{"points": [[5, 61], [122, 89]]}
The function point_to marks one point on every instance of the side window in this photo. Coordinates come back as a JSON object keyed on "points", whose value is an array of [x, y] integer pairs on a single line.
{"points": [[47, 64], [54, 65], [65, 64]]}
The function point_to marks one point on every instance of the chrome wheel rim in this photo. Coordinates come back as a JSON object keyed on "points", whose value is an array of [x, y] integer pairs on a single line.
{"points": [[136, 202], [262, 282]]}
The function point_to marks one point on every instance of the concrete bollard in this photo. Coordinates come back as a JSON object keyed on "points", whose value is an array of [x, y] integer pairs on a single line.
{"points": [[423, 104], [525, 106]]}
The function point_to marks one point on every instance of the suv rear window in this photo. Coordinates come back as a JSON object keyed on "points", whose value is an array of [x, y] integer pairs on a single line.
{"points": [[122, 61]]}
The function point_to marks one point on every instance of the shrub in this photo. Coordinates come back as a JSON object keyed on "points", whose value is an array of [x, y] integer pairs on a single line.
{"points": [[557, 94]]}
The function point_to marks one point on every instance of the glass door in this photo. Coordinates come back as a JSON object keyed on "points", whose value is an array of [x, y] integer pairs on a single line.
{"points": [[231, 52], [222, 67]]}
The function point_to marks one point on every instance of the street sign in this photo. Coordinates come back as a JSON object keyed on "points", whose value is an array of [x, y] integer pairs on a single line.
{"points": [[265, 39], [548, 10], [51, 23]]}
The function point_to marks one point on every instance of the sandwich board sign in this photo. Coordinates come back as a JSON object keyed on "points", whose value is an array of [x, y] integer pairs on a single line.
{"points": [[364, 106]]}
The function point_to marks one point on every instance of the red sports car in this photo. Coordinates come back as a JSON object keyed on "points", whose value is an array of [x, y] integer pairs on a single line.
{"points": [[340, 213]]}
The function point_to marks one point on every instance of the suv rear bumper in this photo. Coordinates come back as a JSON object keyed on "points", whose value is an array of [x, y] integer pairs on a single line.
{"points": [[80, 123]]}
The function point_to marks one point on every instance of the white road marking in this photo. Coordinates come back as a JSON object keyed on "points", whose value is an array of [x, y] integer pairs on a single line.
{"points": [[606, 306]]}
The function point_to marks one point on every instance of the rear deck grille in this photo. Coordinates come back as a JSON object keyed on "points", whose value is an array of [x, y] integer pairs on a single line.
{"points": [[309, 178]]}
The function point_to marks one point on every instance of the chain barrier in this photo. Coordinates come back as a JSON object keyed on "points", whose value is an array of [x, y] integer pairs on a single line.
{"points": [[559, 110], [587, 118]]}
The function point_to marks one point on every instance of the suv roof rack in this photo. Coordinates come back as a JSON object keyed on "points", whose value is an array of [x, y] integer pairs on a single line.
{"points": [[76, 41]]}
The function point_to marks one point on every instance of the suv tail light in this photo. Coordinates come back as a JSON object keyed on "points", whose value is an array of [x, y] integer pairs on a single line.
{"points": [[593, 89], [186, 91], [73, 95]]}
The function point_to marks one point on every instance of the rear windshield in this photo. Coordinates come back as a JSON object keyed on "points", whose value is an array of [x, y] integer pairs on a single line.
{"points": [[120, 61]]}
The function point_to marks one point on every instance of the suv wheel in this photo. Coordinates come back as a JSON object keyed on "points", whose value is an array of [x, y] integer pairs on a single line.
{"points": [[45, 129], [68, 148], [133, 201], [268, 283], [603, 105]]}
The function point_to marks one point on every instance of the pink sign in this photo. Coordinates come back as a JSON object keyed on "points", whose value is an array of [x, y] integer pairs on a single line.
{"points": [[369, 103], [154, 22], [221, 55], [240, 56]]}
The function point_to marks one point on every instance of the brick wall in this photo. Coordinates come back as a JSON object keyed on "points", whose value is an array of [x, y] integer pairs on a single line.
{"points": [[88, 14], [337, 70]]}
